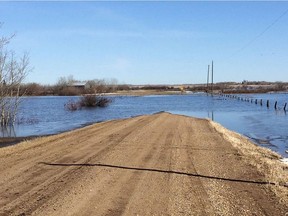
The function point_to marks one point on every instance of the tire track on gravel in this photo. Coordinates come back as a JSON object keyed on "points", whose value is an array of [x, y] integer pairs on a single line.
{"points": [[123, 183]]}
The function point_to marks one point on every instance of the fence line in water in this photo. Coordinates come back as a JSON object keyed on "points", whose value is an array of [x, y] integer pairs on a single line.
{"points": [[256, 101]]}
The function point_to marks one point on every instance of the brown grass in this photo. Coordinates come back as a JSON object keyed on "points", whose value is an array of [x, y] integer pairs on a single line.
{"points": [[266, 161]]}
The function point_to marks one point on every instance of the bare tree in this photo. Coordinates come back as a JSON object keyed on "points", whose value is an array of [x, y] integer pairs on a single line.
{"points": [[97, 86], [65, 81], [13, 70], [64, 86]]}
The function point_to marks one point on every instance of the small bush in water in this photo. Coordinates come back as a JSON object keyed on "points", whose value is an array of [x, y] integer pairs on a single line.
{"points": [[72, 105], [87, 101]]}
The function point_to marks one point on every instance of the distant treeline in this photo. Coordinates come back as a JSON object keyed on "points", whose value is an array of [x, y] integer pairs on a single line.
{"points": [[35, 89], [238, 88], [67, 86]]}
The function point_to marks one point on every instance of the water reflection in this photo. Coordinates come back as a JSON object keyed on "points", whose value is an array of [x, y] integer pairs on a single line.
{"points": [[211, 115], [7, 131], [280, 112]]}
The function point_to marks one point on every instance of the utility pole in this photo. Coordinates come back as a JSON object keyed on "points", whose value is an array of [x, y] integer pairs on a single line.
{"points": [[208, 79], [212, 79]]}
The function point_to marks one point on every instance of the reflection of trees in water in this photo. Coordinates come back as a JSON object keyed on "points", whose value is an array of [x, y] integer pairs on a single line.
{"points": [[7, 131]]}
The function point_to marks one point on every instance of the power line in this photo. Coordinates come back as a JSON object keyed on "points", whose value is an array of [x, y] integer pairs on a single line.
{"points": [[261, 33]]}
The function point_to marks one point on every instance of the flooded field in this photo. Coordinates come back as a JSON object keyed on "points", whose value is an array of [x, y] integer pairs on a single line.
{"points": [[267, 127]]}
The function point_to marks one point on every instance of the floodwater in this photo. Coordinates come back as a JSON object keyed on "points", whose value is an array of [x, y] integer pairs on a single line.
{"points": [[265, 126]]}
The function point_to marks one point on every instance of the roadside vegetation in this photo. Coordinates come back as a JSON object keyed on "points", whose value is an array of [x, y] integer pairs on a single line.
{"points": [[264, 160]]}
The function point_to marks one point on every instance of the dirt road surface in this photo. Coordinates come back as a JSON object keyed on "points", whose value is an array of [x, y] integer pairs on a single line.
{"points": [[159, 164]]}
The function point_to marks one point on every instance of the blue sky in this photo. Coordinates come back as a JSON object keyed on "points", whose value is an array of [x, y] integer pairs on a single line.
{"points": [[150, 42]]}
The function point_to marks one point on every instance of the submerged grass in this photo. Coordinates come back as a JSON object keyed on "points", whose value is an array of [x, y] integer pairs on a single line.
{"points": [[265, 160]]}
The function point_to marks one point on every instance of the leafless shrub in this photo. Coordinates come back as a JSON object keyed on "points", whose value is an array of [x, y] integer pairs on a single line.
{"points": [[87, 101], [13, 70], [72, 105], [103, 102]]}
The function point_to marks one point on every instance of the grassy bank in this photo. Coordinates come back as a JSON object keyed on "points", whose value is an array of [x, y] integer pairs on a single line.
{"points": [[264, 160]]}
